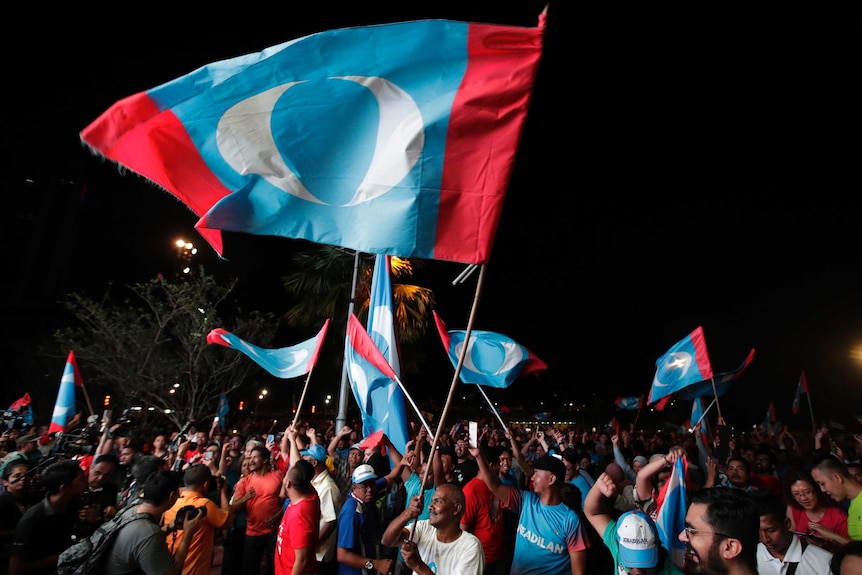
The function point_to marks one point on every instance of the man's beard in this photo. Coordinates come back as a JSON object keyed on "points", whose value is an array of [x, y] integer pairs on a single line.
{"points": [[714, 565]]}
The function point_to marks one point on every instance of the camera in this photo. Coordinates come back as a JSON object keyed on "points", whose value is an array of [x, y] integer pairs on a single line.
{"points": [[189, 512]]}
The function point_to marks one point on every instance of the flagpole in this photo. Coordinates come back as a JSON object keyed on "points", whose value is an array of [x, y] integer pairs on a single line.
{"points": [[491, 405], [705, 411], [302, 397], [482, 272], [341, 418], [415, 407], [811, 411], [715, 392], [638, 414], [87, 399]]}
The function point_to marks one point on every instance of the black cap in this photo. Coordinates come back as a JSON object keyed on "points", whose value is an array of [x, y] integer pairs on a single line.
{"points": [[552, 464]]}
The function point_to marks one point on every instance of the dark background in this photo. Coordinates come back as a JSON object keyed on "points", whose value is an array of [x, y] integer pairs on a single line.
{"points": [[679, 168]]}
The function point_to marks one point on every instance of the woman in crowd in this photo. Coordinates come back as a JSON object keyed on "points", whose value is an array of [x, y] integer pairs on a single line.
{"points": [[13, 503], [811, 511]]}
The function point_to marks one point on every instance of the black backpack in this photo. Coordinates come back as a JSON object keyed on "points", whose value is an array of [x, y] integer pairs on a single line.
{"points": [[85, 556]]}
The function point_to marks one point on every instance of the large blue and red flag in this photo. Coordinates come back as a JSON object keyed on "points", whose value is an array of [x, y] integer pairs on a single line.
{"points": [[387, 398], [396, 138], [492, 359], [64, 407], [284, 362], [630, 403], [801, 387], [366, 367], [682, 365], [670, 518], [722, 382]]}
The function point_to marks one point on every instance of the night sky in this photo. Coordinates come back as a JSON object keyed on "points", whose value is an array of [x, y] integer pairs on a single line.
{"points": [[678, 169]]}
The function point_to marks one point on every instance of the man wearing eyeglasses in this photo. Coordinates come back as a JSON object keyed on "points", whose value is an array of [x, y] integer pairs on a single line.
{"points": [[721, 533]]}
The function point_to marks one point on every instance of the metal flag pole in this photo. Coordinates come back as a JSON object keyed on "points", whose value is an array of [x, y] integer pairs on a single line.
{"points": [[341, 418], [705, 411], [491, 405], [715, 393], [415, 407]]}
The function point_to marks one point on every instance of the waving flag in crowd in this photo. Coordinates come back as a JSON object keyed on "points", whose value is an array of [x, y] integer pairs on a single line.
{"points": [[64, 407], [366, 367], [19, 406], [223, 410], [670, 518], [722, 382], [284, 362], [630, 403], [387, 399], [682, 365], [770, 419], [697, 415], [801, 387], [344, 137], [492, 359]]}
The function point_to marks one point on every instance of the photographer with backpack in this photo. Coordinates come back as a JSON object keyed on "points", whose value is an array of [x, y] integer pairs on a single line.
{"points": [[141, 546]]}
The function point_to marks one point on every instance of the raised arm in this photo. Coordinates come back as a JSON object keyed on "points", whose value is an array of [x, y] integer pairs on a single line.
{"points": [[596, 506], [500, 490]]}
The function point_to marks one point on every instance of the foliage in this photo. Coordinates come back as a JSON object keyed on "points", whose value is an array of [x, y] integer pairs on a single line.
{"points": [[322, 286], [139, 349]]}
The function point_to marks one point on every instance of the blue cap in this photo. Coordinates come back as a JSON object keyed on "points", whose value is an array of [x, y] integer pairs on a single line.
{"points": [[316, 451]]}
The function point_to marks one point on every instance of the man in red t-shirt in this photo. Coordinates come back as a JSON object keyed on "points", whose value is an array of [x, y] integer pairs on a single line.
{"points": [[483, 516], [299, 528]]}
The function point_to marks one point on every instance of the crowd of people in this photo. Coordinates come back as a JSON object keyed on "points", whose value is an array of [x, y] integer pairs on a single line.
{"points": [[522, 500]]}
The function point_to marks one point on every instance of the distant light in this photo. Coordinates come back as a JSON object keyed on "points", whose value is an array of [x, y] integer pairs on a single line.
{"points": [[181, 243]]}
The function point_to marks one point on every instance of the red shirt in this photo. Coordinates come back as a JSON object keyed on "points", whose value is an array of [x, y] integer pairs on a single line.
{"points": [[265, 504], [483, 517], [299, 529]]}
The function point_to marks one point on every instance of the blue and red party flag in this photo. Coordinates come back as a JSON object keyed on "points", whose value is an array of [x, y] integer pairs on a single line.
{"points": [[670, 518], [492, 359], [387, 397], [630, 403], [64, 407], [801, 387], [722, 382], [390, 139], [284, 362], [366, 368], [684, 364]]}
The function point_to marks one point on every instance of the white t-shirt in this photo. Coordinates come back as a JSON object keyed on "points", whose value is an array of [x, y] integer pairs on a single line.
{"points": [[463, 556], [812, 561]]}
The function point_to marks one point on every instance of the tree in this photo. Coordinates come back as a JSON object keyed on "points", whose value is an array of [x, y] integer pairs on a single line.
{"points": [[321, 285], [152, 347]]}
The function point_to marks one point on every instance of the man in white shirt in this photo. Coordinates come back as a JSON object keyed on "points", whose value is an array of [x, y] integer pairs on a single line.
{"points": [[437, 544], [779, 552]]}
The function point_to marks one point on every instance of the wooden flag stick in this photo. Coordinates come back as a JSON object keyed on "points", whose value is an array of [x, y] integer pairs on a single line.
{"points": [[87, 399], [453, 385], [302, 397]]}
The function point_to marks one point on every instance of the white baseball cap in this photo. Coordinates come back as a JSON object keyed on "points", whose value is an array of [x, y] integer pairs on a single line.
{"points": [[363, 473], [637, 538]]}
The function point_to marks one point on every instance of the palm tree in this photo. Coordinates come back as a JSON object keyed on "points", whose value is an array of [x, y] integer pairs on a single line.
{"points": [[322, 284]]}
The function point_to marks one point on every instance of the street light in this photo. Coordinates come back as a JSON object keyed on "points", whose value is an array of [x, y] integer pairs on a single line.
{"points": [[185, 251]]}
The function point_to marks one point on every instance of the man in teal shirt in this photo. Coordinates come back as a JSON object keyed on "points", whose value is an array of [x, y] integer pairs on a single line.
{"points": [[632, 538]]}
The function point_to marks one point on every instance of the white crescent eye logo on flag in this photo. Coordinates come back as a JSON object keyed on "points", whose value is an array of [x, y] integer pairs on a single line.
{"points": [[246, 141], [676, 367], [490, 357]]}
